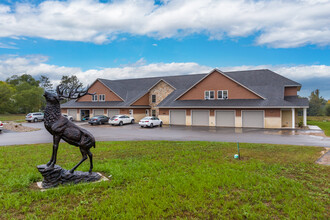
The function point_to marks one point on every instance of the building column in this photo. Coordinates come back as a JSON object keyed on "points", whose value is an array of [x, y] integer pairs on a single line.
{"points": [[293, 118], [305, 116]]}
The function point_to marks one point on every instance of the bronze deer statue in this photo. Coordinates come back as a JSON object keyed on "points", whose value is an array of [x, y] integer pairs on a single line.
{"points": [[62, 128]]}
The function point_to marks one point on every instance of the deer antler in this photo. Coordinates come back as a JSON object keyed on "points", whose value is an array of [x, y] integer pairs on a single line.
{"points": [[71, 93]]}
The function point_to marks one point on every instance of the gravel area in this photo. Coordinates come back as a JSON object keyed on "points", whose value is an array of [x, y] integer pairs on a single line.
{"points": [[18, 127]]}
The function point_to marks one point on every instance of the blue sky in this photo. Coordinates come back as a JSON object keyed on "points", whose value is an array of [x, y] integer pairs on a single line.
{"points": [[127, 39]]}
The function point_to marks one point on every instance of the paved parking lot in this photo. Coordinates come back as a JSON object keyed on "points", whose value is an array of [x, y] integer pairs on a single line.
{"points": [[175, 133]]}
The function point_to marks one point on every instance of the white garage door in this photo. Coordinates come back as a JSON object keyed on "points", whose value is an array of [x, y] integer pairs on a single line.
{"points": [[98, 112], [112, 112], [200, 117], [225, 118], [177, 117], [73, 113], [253, 119]]}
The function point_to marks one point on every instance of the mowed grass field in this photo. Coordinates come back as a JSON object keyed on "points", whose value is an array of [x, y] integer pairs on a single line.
{"points": [[163, 179], [12, 117], [322, 121]]}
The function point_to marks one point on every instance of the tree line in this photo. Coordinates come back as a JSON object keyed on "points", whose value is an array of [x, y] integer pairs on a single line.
{"points": [[318, 106], [24, 93]]}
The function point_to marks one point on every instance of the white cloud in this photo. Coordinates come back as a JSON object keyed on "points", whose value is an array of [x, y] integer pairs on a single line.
{"points": [[6, 46], [277, 23]]}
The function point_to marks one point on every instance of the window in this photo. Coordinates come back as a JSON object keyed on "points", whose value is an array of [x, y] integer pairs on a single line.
{"points": [[102, 98], [153, 112], [94, 98], [222, 94], [209, 95], [153, 98]]}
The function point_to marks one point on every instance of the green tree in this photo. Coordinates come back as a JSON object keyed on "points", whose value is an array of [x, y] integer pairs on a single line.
{"points": [[28, 98], [316, 104], [45, 83], [6, 92], [15, 80], [71, 82], [327, 109]]}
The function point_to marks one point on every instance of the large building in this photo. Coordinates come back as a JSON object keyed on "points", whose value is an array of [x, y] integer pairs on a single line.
{"points": [[253, 98]]}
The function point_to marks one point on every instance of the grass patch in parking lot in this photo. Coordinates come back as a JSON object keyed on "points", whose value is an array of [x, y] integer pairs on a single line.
{"points": [[12, 117], [164, 179], [322, 121]]}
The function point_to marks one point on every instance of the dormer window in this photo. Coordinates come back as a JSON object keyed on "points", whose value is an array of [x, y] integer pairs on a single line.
{"points": [[222, 94], [102, 98], [94, 98], [208, 95]]}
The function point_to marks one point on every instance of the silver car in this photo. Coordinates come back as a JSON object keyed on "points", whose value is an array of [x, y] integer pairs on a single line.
{"points": [[35, 117]]}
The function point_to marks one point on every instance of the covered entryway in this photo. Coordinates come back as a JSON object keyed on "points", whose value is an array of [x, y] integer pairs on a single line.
{"points": [[253, 119], [73, 113], [177, 117], [113, 112], [98, 112], [225, 118], [200, 117]]}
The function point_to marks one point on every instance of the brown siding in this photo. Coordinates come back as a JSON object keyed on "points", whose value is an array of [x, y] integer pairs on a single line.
{"points": [[144, 100], [216, 81], [139, 110], [64, 110], [124, 111], [164, 111], [99, 89], [290, 91], [272, 113]]}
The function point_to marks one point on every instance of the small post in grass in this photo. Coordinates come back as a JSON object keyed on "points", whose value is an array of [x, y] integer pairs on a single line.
{"points": [[237, 156]]}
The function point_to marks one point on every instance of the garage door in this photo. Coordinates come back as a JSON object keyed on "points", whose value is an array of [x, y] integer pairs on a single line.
{"points": [[98, 112], [200, 117], [253, 119], [225, 118], [177, 117], [112, 112], [73, 113]]}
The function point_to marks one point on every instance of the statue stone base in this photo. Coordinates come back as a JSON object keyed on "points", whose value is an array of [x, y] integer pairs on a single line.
{"points": [[57, 176]]}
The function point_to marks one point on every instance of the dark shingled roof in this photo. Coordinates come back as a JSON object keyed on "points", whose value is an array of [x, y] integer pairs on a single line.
{"points": [[265, 83]]}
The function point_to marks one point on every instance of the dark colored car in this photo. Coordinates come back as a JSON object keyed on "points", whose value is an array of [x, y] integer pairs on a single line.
{"points": [[98, 119]]}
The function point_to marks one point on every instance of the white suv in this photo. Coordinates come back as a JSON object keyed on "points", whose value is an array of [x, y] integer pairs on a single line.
{"points": [[35, 117], [121, 119]]}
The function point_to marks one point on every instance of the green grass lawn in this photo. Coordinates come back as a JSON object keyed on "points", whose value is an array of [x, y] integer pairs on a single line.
{"points": [[322, 121], [12, 117], [163, 179]]}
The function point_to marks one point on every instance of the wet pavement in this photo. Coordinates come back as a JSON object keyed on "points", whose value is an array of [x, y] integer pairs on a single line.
{"points": [[176, 133]]}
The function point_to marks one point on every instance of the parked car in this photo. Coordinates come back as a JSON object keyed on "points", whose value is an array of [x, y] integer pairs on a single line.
{"points": [[1, 126], [150, 122], [98, 119], [68, 117], [121, 119], [35, 117]]}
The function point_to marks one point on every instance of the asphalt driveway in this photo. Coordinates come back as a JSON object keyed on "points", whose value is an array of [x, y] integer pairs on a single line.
{"points": [[175, 133]]}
